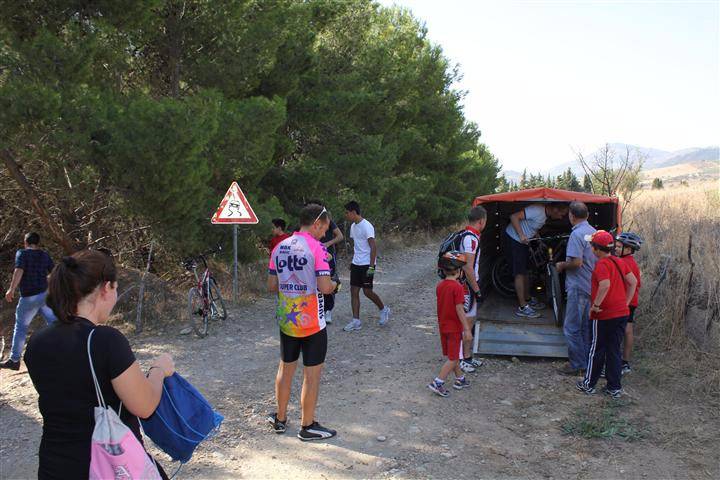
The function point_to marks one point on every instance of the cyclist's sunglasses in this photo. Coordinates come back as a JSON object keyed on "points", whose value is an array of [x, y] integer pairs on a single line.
{"points": [[324, 210]]}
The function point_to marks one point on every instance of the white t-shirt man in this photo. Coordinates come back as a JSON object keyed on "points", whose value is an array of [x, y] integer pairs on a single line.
{"points": [[535, 218], [471, 244], [360, 233]]}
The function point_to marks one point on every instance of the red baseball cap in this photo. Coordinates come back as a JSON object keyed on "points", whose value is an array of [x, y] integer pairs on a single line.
{"points": [[601, 238]]}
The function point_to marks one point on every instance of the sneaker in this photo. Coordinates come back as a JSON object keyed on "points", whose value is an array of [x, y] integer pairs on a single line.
{"points": [[328, 317], [460, 384], [10, 364], [466, 367], [476, 363], [536, 304], [580, 385], [438, 388], [277, 425], [315, 431], [568, 370], [613, 393], [625, 368], [527, 312], [384, 316], [354, 325]]}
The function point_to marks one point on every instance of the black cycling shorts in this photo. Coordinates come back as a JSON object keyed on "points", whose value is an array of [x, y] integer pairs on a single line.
{"points": [[631, 318], [517, 254], [313, 348], [359, 276]]}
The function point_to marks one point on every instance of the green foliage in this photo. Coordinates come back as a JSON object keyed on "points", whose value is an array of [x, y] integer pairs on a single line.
{"points": [[657, 184], [605, 423], [159, 105]]}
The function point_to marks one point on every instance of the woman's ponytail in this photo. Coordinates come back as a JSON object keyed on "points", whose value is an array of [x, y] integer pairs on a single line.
{"points": [[76, 277]]}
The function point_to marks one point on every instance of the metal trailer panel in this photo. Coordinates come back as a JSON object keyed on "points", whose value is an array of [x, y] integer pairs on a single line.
{"points": [[499, 332]]}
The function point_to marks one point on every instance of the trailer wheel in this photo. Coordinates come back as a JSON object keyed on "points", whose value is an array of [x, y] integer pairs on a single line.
{"points": [[556, 294], [502, 277]]}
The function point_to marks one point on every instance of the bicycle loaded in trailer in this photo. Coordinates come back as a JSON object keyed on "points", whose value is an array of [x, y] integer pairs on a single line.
{"points": [[498, 330]]}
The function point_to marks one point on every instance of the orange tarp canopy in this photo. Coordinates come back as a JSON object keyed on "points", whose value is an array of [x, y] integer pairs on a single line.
{"points": [[549, 195], [544, 195]]}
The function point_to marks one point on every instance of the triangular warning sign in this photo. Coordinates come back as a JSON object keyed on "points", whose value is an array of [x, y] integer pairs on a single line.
{"points": [[234, 208]]}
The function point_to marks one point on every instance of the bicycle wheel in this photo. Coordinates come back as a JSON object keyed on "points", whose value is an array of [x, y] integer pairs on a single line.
{"points": [[198, 312], [556, 294], [217, 304], [502, 278]]}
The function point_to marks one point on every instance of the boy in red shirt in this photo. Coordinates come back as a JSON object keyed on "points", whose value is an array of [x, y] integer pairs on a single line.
{"points": [[278, 233], [454, 324], [611, 290], [626, 244]]}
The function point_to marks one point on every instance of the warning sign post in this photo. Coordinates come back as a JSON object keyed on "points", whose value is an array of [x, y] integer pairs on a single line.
{"points": [[234, 209]]}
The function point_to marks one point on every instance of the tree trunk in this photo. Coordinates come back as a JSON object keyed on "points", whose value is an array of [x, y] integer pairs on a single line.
{"points": [[56, 232]]}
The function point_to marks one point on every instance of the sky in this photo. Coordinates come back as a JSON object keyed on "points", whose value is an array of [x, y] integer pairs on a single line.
{"points": [[545, 78]]}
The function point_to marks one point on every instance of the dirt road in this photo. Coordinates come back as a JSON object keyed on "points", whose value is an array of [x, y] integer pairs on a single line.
{"points": [[509, 424]]}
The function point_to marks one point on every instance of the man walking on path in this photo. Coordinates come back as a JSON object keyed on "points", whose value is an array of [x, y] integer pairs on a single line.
{"points": [[362, 269], [300, 274], [579, 265], [32, 266]]}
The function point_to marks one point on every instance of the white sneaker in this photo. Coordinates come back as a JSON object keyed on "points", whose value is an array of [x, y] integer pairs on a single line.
{"points": [[476, 363], [466, 367], [527, 312], [328, 317], [384, 316], [356, 324]]}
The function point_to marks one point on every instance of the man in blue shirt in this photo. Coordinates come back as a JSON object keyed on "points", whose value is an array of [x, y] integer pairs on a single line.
{"points": [[578, 269], [32, 266]]}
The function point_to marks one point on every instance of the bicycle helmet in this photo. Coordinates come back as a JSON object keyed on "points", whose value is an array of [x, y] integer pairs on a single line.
{"points": [[452, 260], [629, 239]]}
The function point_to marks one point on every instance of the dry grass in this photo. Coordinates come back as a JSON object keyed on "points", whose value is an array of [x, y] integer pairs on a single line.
{"points": [[679, 316]]}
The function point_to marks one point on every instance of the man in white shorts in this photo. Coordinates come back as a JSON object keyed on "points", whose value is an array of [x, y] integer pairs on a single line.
{"points": [[470, 246]]}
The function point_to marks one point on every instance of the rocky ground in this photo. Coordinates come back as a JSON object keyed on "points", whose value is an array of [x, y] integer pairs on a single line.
{"points": [[512, 423]]}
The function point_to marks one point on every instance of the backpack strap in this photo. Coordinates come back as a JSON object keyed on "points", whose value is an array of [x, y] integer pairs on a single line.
{"points": [[98, 392], [622, 275]]}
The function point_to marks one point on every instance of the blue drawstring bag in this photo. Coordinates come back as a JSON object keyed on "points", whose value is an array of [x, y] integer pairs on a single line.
{"points": [[182, 420]]}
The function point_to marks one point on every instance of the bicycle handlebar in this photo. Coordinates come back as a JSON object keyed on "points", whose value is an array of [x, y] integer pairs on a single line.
{"points": [[553, 237], [189, 261]]}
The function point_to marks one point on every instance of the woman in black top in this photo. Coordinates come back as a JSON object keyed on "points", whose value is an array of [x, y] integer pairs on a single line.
{"points": [[82, 293]]}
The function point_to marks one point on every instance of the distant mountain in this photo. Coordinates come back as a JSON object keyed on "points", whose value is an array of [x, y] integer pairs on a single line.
{"points": [[654, 158], [708, 154]]}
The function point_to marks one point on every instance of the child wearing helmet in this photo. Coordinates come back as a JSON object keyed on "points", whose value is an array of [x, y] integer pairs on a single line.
{"points": [[612, 289], [453, 324], [626, 244]]}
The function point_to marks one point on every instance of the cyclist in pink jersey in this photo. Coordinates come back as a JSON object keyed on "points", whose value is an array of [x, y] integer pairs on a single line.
{"points": [[299, 273]]}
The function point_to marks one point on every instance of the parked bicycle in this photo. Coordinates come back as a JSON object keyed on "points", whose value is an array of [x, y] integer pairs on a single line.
{"points": [[204, 299], [545, 252]]}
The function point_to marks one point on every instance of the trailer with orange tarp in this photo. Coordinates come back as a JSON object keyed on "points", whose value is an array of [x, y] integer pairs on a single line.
{"points": [[498, 330]]}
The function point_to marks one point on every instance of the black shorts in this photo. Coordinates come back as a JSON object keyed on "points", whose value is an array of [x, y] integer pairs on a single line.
{"points": [[313, 348], [359, 276], [517, 255], [631, 317]]}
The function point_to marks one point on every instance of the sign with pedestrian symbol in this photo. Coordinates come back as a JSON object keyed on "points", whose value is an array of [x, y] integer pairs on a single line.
{"points": [[234, 208]]}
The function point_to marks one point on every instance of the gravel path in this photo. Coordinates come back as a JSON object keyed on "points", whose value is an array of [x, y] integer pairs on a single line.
{"points": [[507, 425]]}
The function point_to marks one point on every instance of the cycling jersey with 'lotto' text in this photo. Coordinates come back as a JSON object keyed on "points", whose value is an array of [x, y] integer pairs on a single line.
{"points": [[297, 262]]}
